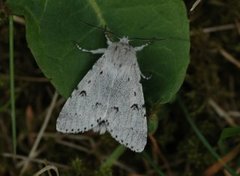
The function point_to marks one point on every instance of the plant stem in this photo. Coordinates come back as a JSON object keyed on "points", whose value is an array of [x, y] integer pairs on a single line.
{"points": [[114, 156], [153, 164], [202, 138], [12, 92]]}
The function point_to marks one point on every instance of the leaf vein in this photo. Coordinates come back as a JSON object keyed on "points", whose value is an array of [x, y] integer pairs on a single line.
{"points": [[98, 12]]}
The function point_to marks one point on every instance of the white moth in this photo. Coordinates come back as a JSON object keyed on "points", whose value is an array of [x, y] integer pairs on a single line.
{"points": [[109, 98]]}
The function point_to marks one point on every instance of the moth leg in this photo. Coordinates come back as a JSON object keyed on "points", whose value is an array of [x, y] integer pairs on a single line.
{"points": [[146, 77], [96, 51], [139, 48], [141, 74], [109, 42]]}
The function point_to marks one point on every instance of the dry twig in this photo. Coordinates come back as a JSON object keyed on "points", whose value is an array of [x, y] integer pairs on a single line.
{"points": [[229, 57], [221, 112], [196, 3], [40, 134], [36, 160]]}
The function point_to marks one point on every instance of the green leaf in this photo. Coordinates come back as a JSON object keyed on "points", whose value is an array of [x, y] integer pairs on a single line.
{"points": [[227, 133], [53, 25]]}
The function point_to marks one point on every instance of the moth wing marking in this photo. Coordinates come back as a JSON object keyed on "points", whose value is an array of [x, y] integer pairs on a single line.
{"points": [[126, 116], [87, 103]]}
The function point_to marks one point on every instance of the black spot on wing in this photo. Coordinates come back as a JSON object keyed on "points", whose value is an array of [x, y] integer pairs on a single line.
{"points": [[134, 107], [102, 122], [99, 120], [83, 93], [97, 104], [107, 122], [115, 108]]}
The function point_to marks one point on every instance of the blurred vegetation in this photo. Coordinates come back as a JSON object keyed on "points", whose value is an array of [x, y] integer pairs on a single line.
{"points": [[210, 95]]}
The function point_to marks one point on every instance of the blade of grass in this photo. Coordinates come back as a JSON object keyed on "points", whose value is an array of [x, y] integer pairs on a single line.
{"points": [[12, 94], [215, 167], [153, 164], [202, 138], [113, 157]]}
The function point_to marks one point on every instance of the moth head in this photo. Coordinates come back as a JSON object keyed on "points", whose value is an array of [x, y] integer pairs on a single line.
{"points": [[124, 40]]}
